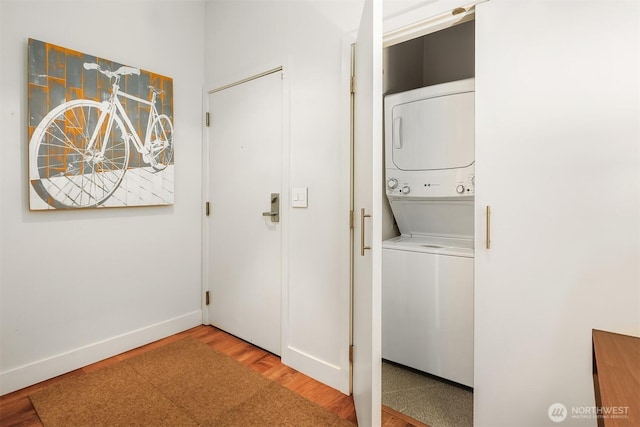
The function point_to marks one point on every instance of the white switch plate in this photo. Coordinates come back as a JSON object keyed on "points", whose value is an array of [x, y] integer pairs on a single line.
{"points": [[299, 197]]}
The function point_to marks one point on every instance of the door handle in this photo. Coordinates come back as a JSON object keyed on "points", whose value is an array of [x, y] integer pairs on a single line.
{"points": [[274, 213], [397, 132], [362, 246], [488, 242]]}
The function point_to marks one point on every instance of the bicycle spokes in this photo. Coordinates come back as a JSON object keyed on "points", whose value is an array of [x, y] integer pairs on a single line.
{"points": [[81, 158], [159, 146]]}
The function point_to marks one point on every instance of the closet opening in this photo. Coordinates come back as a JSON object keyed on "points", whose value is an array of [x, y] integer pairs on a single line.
{"points": [[427, 278]]}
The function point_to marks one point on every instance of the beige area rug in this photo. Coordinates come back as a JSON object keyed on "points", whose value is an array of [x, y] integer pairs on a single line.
{"points": [[185, 383]]}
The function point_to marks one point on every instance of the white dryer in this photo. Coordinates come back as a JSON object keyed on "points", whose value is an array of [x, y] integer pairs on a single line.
{"points": [[427, 280], [429, 142]]}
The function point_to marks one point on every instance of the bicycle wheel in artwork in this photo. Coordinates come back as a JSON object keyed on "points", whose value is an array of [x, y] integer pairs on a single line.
{"points": [[100, 132]]}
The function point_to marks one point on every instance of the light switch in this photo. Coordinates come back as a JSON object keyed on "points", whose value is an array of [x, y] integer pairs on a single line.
{"points": [[299, 197]]}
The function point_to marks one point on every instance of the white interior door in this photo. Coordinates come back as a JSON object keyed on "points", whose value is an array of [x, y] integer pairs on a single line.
{"points": [[245, 163], [367, 196]]}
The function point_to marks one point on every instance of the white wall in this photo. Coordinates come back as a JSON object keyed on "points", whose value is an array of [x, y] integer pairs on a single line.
{"points": [[79, 286], [558, 160], [245, 37]]}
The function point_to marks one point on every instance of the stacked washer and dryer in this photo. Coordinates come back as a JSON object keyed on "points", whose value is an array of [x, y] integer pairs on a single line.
{"points": [[427, 282]]}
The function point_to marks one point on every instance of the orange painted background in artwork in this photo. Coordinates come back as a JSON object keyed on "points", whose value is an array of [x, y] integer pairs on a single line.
{"points": [[56, 75]]}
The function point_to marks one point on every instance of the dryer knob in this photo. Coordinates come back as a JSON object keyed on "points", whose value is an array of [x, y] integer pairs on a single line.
{"points": [[406, 189], [460, 189], [392, 183]]}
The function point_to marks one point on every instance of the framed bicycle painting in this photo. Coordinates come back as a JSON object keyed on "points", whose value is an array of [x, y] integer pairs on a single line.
{"points": [[100, 133]]}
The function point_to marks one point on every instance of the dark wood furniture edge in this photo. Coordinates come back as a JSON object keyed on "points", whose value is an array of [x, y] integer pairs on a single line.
{"points": [[630, 343], [596, 384]]}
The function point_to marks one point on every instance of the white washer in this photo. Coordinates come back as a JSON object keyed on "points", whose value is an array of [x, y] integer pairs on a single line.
{"points": [[427, 310]]}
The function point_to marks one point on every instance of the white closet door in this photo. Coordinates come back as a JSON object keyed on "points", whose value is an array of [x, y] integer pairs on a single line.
{"points": [[557, 159], [367, 196]]}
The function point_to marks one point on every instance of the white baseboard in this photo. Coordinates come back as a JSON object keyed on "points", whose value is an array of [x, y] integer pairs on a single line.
{"points": [[35, 372], [318, 369]]}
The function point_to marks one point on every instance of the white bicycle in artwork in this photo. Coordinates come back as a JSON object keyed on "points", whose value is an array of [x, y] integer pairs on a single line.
{"points": [[79, 152]]}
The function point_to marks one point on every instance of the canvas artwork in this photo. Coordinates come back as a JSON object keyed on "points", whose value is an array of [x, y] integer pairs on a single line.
{"points": [[100, 132]]}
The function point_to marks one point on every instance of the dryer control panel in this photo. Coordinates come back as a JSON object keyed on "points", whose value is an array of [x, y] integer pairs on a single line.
{"points": [[455, 183]]}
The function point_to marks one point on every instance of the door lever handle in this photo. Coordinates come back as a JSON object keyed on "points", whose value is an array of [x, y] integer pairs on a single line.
{"points": [[274, 213]]}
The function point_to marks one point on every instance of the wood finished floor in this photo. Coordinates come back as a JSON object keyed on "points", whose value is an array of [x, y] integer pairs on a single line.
{"points": [[16, 408]]}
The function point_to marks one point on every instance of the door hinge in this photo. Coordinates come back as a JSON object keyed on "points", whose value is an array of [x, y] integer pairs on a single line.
{"points": [[206, 298], [352, 84], [351, 353], [351, 220], [207, 119], [207, 209]]}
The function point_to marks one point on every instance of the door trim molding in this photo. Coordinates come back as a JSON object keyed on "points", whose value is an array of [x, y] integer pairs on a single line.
{"points": [[247, 79]]}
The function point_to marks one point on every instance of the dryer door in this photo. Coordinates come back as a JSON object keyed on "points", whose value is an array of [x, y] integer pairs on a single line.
{"points": [[434, 133]]}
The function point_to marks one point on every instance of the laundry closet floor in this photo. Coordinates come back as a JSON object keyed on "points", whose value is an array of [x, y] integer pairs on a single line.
{"points": [[425, 398]]}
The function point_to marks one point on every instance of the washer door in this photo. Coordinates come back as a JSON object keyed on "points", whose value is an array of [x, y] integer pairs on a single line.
{"points": [[434, 217]]}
